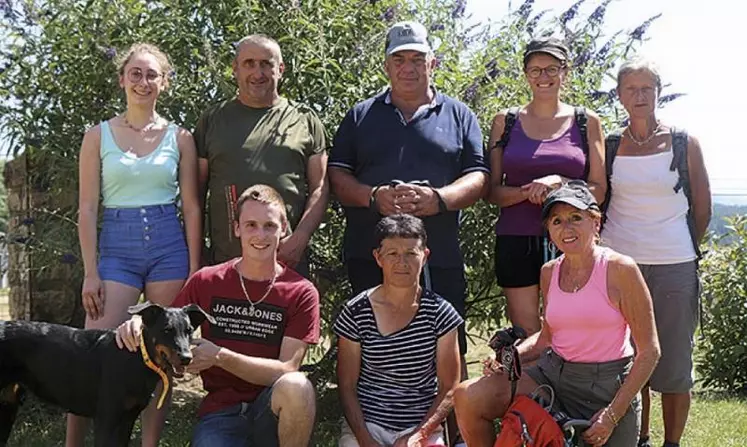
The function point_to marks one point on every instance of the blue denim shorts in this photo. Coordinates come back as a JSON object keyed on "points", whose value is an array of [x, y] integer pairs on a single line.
{"points": [[142, 245], [247, 424]]}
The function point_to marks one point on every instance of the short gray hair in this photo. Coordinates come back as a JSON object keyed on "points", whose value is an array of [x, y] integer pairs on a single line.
{"points": [[639, 64], [259, 40]]}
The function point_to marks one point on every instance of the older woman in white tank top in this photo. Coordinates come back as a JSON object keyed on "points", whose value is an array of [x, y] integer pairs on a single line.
{"points": [[647, 219]]}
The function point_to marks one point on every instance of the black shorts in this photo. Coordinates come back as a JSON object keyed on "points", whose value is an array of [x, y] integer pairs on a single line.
{"points": [[449, 283], [519, 259]]}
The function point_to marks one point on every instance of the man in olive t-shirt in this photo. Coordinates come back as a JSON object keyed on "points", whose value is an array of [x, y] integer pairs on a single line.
{"points": [[261, 137]]}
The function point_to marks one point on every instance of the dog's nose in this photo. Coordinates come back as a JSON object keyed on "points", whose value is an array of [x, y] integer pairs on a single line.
{"points": [[185, 359]]}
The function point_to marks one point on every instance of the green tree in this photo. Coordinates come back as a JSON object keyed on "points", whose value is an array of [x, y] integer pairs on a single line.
{"points": [[723, 359], [57, 74]]}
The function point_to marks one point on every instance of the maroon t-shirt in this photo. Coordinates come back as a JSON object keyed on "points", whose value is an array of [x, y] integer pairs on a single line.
{"points": [[290, 310]]}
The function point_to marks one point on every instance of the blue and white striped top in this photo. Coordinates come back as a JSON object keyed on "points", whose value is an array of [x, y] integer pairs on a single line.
{"points": [[397, 381]]}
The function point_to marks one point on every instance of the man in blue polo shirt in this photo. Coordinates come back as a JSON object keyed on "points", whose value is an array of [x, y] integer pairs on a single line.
{"points": [[410, 150]]}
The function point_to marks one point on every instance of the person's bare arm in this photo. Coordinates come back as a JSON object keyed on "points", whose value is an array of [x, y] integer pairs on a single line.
{"points": [[597, 179], [628, 289], [348, 190], [89, 191], [700, 188], [500, 194], [292, 247], [348, 372], [448, 372], [188, 188], [202, 180], [259, 370], [531, 348]]}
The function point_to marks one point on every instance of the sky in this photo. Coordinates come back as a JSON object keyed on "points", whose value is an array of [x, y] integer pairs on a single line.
{"points": [[696, 45]]}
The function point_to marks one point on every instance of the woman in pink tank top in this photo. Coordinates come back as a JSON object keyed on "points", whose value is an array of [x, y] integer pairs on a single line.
{"points": [[597, 304]]}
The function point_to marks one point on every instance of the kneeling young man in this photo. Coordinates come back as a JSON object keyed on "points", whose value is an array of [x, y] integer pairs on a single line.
{"points": [[267, 315]]}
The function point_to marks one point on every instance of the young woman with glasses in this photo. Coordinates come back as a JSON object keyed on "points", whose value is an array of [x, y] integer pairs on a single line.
{"points": [[534, 149], [136, 163]]}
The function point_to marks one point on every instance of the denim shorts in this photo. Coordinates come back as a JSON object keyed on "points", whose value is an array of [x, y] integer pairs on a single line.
{"points": [[247, 424], [142, 245]]}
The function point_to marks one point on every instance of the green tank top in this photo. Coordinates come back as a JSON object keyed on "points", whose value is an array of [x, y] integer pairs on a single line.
{"points": [[128, 181]]}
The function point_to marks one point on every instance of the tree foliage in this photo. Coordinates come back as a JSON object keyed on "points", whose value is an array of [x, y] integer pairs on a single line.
{"points": [[723, 360], [59, 80]]}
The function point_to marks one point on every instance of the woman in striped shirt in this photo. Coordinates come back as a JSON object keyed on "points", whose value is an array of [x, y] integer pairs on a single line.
{"points": [[398, 356]]}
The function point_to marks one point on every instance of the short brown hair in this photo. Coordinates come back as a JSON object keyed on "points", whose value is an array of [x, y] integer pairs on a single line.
{"points": [[141, 47], [262, 194]]}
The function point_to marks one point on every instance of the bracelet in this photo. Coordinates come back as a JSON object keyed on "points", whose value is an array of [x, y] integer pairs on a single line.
{"points": [[441, 204], [372, 198], [611, 415]]}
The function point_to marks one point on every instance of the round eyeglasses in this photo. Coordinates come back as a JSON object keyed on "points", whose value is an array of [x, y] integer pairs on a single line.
{"points": [[536, 72], [135, 75]]}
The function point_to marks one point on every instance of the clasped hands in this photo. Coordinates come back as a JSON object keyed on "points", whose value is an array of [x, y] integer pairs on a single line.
{"points": [[409, 198]]}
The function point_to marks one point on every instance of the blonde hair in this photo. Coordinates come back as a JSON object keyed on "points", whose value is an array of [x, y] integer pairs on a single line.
{"points": [[262, 194], [123, 59]]}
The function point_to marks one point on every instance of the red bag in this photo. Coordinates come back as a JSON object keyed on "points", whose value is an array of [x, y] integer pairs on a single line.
{"points": [[526, 423]]}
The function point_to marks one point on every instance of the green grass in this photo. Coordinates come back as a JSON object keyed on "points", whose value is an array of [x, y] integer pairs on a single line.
{"points": [[716, 420]]}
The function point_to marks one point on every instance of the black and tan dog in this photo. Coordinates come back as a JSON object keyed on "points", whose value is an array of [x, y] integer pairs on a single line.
{"points": [[84, 372]]}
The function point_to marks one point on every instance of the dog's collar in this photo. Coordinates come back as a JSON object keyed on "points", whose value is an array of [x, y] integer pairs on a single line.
{"points": [[149, 363]]}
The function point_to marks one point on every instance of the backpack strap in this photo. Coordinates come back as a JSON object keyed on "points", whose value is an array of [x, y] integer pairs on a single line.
{"points": [[582, 122], [611, 145], [511, 116], [679, 162]]}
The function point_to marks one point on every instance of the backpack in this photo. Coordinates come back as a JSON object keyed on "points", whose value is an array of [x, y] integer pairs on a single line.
{"points": [[527, 423], [579, 116], [679, 162]]}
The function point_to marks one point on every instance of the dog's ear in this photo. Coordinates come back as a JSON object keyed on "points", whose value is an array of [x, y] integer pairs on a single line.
{"points": [[148, 311], [197, 316]]}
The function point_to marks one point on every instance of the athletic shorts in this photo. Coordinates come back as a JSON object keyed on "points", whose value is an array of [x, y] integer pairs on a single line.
{"points": [[519, 259]]}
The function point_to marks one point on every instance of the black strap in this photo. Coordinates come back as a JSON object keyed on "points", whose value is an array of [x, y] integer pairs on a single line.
{"points": [[511, 116], [611, 144], [582, 122], [679, 162]]}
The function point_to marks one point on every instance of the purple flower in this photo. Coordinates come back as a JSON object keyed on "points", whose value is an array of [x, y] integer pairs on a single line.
{"points": [[172, 74], [27, 221], [570, 13], [459, 7], [604, 51], [437, 27], [532, 24], [110, 53], [525, 9], [68, 258], [666, 99], [598, 15], [388, 14], [638, 33], [491, 69], [582, 59], [471, 93]]}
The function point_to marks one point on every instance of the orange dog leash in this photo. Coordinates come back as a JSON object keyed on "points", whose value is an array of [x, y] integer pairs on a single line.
{"points": [[149, 363]]}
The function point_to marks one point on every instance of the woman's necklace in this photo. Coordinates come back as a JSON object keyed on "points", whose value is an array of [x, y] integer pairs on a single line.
{"points": [[246, 294], [143, 129], [650, 137]]}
